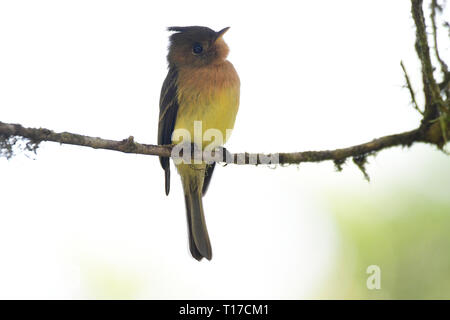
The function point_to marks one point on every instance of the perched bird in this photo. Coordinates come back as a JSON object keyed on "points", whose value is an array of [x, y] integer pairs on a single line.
{"points": [[201, 85]]}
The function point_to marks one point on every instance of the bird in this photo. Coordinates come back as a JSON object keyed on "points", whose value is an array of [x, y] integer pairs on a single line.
{"points": [[201, 86]]}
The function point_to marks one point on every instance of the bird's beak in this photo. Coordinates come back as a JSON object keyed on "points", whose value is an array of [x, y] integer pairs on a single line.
{"points": [[220, 33]]}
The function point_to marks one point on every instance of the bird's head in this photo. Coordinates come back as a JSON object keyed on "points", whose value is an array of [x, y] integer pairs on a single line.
{"points": [[196, 46]]}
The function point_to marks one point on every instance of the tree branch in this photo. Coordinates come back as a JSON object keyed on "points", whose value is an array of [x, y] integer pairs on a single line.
{"points": [[436, 107], [36, 136]]}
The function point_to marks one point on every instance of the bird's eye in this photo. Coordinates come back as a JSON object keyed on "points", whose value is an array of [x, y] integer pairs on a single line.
{"points": [[197, 48]]}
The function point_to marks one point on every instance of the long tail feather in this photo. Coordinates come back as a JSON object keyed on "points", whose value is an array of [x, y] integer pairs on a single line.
{"points": [[199, 243]]}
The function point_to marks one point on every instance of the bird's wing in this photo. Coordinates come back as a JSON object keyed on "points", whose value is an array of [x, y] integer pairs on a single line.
{"points": [[168, 108]]}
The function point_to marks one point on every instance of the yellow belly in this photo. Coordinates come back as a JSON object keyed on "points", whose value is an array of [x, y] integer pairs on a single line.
{"points": [[208, 103]]}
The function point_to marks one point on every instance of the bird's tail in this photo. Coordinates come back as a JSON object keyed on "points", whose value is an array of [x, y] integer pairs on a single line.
{"points": [[199, 243]]}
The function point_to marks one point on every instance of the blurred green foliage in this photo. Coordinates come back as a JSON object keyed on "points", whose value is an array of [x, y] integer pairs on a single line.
{"points": [[109, 281], [406, 234]]}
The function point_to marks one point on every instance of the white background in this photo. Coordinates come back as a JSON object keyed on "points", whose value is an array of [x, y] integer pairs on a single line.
{"points": [[83, 223]]}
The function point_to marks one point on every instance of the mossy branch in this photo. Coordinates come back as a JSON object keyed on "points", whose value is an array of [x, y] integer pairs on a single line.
{"points": [[36, 136]]}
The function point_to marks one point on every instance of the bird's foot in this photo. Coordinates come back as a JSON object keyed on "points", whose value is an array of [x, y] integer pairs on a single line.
{"points": [[224, 155]]}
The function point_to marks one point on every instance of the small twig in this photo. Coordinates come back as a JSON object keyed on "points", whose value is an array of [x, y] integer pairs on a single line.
{"points": [[434, 6], [411, 90]]}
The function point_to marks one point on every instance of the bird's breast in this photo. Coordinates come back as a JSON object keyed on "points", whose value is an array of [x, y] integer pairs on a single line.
{"points": [[208, 100]]}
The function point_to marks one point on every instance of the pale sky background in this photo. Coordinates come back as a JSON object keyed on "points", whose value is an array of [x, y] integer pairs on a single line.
{"points": [[83, 223]]}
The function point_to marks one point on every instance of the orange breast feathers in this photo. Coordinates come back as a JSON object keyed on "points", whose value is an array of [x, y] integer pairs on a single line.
{"points": [[210, 96]]}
